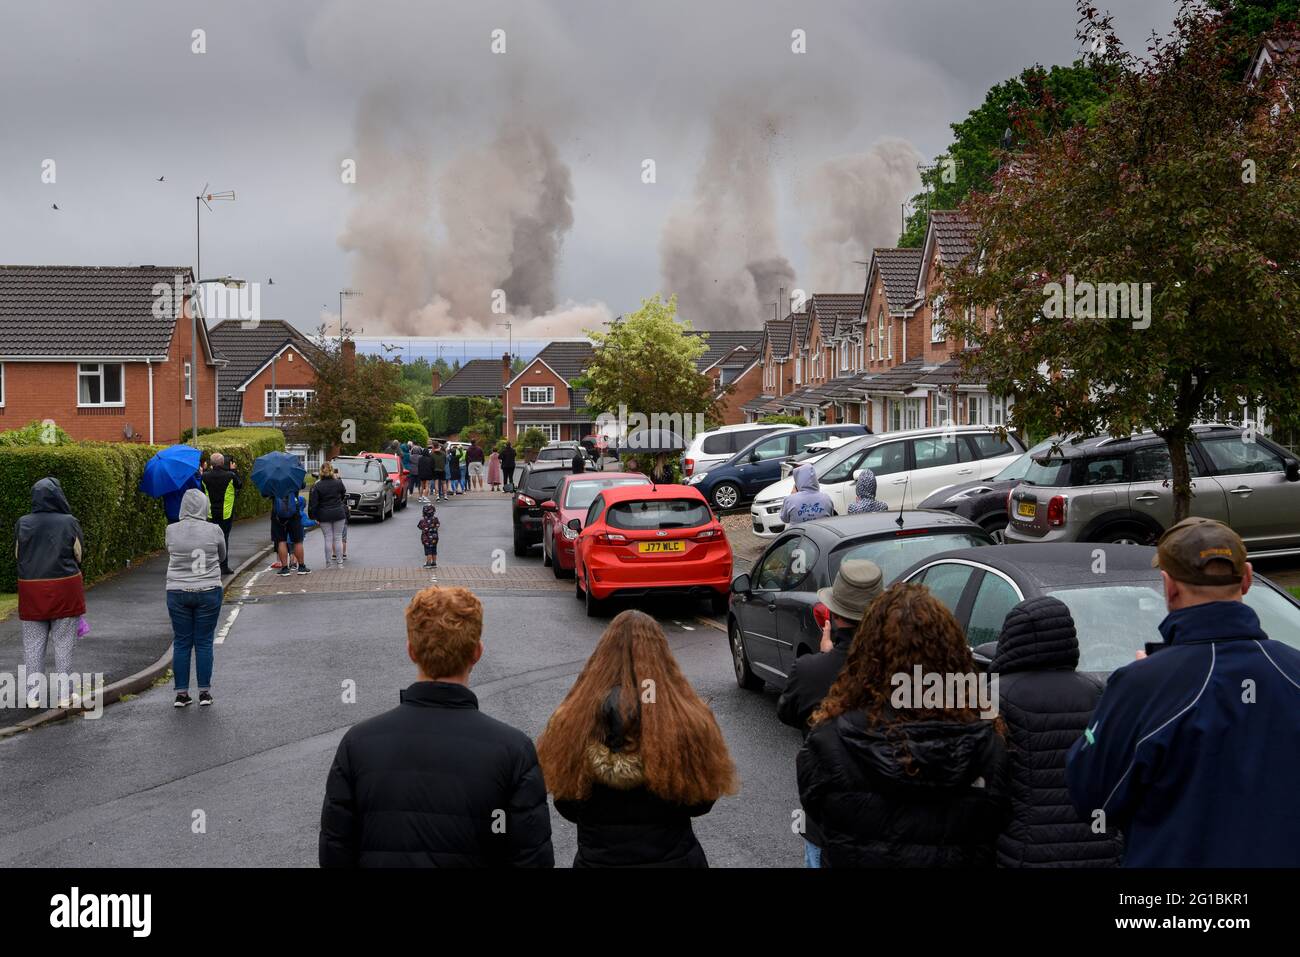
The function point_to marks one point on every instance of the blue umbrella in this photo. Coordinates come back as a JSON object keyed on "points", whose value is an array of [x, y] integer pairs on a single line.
{"points": [[277, 474], [170, 470]]}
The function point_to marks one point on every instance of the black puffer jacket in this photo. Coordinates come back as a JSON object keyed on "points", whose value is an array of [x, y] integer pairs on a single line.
{"points": [[435, 783], [328, 501], [1046, 705], [623, 824], [907, 794]]}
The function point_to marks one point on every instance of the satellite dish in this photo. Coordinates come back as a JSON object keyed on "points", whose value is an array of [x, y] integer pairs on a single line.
{"points": [[128, 431]]}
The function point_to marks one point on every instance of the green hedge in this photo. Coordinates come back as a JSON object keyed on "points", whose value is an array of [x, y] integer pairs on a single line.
{"points": [[449, 414], [404, 412], [35, 433], [101, 482], [408, 432], [244, 445]]}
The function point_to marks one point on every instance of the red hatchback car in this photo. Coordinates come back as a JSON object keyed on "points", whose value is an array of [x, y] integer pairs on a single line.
{"points": [[393, 466], [639, 540], [572, 498]]}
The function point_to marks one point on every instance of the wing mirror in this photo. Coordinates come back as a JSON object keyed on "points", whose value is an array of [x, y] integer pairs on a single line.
{"points": [[549, 506], [740, 584], [575, 524]]}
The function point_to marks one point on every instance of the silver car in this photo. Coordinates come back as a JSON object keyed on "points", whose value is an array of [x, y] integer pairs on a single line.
{"points": [[1121, 490]]}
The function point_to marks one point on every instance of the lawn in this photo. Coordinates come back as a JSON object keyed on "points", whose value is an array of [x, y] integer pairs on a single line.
{"points": [[8, 604]]}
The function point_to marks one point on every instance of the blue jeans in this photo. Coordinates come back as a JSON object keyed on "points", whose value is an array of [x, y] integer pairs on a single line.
{"points": [[812, 854], [194, 617]]}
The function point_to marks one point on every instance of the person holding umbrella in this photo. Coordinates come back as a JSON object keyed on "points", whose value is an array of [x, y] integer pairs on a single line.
{"points": [[169, 474], [279, 476]]}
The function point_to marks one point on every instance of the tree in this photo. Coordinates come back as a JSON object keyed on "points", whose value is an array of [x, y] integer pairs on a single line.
{"points": [[1067, 95], [353, 403], [1174, 219], [646, 362]]}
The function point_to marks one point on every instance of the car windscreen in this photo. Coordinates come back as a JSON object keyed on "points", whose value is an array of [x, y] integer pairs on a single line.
{"points": [[580, 494], [551, 454], [1052, 473], [659, 514], [542, 483], [368, 469], [1114, 622], [894, 552]]}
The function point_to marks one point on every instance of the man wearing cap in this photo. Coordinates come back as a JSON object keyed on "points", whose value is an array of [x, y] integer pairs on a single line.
{"points": [[1191, 751], [857, 585]]}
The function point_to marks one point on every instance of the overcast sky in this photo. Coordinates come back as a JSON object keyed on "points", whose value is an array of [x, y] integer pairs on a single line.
{"points": [[478, 170]]}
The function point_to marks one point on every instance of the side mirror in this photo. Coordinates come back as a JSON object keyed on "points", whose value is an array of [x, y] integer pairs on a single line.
{"points": [[575, 524], [740, 584], [549, 506], [858, 474], [753, 457], [1292, 470]]}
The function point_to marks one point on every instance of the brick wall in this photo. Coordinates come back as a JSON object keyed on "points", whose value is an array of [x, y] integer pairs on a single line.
{"points": [[292, 371]]}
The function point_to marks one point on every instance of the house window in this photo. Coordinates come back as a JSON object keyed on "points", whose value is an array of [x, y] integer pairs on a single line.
{"points": [[999, 410], [844, 358], [977, 409], [798, 370], [287, 401], [539, 395], [937, 333], [100, 383], [189, 387], [941, 410], [550, 429]]}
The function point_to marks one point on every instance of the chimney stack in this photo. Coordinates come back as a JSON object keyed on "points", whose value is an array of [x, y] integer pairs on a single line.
{"points": [[349, 356], [437, 380]]}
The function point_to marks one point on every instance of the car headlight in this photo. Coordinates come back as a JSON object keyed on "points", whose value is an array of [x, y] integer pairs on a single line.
{"points": [[773, 509], [370, 496], [697, 478]]}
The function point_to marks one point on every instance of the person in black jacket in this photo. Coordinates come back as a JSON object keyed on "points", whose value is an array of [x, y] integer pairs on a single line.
{"points": [[327, 505], [223, 482], [632, 754], [1046, 705], [895, 775], [508, 466], [435, 782], [857, 584]]}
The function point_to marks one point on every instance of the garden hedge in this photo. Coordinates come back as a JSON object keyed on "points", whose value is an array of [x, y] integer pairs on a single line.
{"points": [[404, 412], [408, 432]]}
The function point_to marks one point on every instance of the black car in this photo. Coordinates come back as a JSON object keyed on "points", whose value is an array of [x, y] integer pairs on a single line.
{"points": [[984, 501], [775, 615], [536, 484], [1116, 597]]}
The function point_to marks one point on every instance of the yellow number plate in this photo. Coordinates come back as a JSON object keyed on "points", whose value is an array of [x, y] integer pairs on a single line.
{"points": [[645, 547], [1026, 509]]}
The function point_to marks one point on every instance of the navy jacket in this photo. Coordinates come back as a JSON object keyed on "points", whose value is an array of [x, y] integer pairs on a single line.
{"points": [[1191, 751]]}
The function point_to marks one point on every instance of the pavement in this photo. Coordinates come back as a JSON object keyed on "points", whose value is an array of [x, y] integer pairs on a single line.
{"points": [[129, 626], [301, 659]]}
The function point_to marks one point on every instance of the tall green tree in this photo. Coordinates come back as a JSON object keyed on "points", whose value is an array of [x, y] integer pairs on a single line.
{"points": [[646, 362], [1186, 186], [353, 403]]}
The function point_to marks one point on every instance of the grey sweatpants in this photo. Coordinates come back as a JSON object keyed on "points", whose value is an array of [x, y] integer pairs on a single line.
{"points": [[38, 634], [334, 534]]}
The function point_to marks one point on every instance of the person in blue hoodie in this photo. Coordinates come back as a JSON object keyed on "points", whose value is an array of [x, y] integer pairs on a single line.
{"points": [[1191, 751], [808, 501]]}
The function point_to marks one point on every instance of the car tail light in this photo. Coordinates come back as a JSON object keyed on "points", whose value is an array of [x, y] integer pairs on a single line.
{"points": [[1056, 511], [707, 535], [522, 499], [610, 538], [688, 467], [821, 614]]}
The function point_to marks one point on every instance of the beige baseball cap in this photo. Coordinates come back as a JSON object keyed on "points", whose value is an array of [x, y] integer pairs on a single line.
{"points": [[1185, 549]]}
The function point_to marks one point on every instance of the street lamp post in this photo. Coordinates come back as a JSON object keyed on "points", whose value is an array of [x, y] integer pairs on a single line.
{"points": [[204, 198]]}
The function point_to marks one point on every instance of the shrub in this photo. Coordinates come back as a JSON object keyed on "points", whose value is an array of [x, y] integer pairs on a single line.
{"points": [[35, 433], [783, 420], [402, 412], [405, 431], [484, 429], [203, 430], [532, 438]]}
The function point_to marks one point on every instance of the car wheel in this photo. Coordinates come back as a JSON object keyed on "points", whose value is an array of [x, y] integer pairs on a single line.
{"points": [[745, 678], [521, 547], [1125, 535], [595, 607], [996, 526], [726, 495]]}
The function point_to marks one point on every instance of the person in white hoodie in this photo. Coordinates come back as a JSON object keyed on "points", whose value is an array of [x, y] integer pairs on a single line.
{"points": [[808, 502], [196, 550]]}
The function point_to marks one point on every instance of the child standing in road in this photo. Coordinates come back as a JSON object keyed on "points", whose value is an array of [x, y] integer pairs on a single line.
{"points": [[429, 536]]}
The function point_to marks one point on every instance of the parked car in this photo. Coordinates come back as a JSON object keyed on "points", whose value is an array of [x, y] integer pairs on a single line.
{"points": [[984, 502], [708, 449], [368, 486], [909, 465], [1117, 605], [536, 484], [758, 464], [572, 498], [813, 453], [396, 471], [564, 452], [642, 540], [1120, 490], [775, 616]]}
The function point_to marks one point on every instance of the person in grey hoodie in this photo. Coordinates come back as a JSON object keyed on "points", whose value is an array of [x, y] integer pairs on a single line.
{"points": [[808, 501], [196, 550]]}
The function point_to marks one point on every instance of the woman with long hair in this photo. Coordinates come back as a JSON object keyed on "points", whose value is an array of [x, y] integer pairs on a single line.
{"points": [[905, 766], [633, 753]]}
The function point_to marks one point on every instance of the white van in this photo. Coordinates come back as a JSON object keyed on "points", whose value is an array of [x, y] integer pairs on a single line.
{"points": [[713, 448], [909, 466]]}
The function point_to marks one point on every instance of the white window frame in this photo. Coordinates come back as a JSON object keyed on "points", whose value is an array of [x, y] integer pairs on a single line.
{"points": [[82, 372], [278, 412], [551, 429], [189, 382], [798, 370], [977, 408], [528, 390], [937, 331], [882, 336]]}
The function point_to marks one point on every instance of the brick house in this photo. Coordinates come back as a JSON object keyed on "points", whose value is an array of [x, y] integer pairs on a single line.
{"points": [[731, 363], [104, 351], [540, 395]]}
